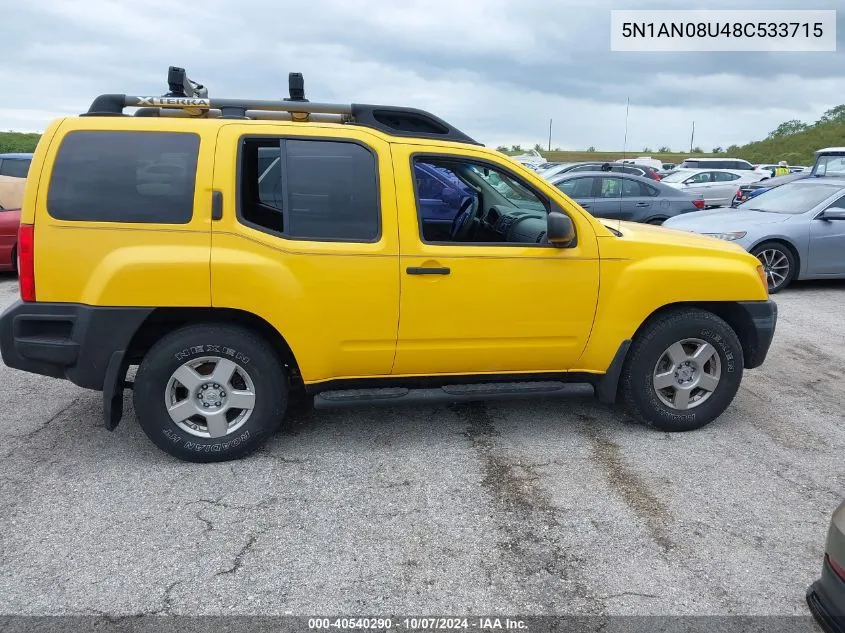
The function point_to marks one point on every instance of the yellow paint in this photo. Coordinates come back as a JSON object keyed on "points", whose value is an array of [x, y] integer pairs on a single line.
{"points": [[350, 310]]}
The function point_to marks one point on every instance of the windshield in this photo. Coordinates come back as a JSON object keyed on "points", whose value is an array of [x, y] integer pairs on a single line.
{"points": [[793, 198], [830, 166]]}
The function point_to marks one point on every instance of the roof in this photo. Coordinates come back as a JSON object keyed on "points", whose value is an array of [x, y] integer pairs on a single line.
{"points": [[16, 156], [830, 149], [567, 175], [187, 98]]}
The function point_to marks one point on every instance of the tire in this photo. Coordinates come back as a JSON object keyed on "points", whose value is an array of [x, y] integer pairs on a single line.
{"points": [[244, 364], [655, 221], [649, 361], [779, 263]]}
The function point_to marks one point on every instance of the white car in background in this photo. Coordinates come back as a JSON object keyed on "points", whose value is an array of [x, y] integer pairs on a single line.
{"points": [[716, 186], [532, 158], [648, 161]]}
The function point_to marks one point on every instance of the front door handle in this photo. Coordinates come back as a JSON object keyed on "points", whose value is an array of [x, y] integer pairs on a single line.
{"points": [[427, 270], [643, 204]]}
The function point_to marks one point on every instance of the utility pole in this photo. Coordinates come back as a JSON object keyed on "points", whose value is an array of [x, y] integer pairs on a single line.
{"points": [[550, 135], [625, 141], [692, 138]]}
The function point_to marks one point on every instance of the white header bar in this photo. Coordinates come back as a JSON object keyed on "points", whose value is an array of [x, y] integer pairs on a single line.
{"points": [[723, 30]]}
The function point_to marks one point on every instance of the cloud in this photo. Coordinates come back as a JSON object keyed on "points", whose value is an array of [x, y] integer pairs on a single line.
{"points": [[498, 69]]}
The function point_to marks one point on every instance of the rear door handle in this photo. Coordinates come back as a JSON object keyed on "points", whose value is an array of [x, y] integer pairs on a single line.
{"points": [[427, 270], [643, 204], [216, 205]]}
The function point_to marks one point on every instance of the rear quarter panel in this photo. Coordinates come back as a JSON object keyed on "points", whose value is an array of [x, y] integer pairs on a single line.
{"points": [[115, 263]]}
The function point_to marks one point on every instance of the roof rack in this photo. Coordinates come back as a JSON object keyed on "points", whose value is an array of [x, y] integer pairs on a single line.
{"points": [[187, 98]]}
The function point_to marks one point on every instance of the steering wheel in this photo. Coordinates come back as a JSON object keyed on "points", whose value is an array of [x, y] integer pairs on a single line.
{"points": [[463, 222]]}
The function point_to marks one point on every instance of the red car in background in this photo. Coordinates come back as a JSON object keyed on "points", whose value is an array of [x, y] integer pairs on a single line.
{"points": [[10, 220]]}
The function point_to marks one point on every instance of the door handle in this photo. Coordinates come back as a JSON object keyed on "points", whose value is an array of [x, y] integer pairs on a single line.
{"points": [[643, 204], [216, 205], [427, 270]]}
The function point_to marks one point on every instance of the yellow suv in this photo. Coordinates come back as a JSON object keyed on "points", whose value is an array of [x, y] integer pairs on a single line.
{"points": [[242, 253]]}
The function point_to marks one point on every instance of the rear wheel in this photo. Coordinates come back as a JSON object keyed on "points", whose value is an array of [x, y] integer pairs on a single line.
{"points": [[656, 221], [682, 371], [778, 263], [210, 393]]}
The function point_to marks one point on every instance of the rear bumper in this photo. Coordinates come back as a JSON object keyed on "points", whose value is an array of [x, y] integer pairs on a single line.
{"points": [[761, 318], [67, 340], [826, 599]]}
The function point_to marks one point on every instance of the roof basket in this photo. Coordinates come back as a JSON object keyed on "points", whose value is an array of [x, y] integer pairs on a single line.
{"points": [[187, 98]]}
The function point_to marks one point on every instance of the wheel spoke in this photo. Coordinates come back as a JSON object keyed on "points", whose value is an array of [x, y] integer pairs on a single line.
{"points": [[190, 379], [241, 399], [181, 411], [703, 354], [217, 423], [664, 380], [224, 371], [677, 354], [708, 382], [682, 397]]}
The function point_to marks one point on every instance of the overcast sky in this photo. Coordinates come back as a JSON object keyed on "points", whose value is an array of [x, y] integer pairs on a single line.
{"points": [[498, 69]]}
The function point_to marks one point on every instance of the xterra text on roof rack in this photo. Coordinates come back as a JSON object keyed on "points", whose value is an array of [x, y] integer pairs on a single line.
{"points": [[245, 252]]}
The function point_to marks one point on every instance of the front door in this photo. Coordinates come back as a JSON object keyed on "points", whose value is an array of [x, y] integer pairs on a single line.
{"points": [[494, 298], [307, 240], [827, 244]]}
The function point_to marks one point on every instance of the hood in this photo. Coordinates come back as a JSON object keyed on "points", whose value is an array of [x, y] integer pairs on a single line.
{"points": [[653, 234], [721, 221]]}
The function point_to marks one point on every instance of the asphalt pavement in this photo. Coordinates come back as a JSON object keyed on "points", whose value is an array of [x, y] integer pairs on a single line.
{"points": [[526, 507]]}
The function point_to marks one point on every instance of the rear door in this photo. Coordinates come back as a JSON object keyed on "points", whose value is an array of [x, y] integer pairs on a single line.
{"points": [[312, 248]]}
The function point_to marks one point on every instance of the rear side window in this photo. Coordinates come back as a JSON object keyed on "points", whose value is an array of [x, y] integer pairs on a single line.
{"points": [[14, 167], [310, 190], [104, 176]]}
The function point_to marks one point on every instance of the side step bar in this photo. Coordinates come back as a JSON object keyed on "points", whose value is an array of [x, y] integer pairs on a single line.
{"points": [[446, 394]]}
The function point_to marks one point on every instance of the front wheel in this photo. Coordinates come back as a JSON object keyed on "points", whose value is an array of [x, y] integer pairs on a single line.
{"points": [[210, 393], [682, 371], [778, 264]]}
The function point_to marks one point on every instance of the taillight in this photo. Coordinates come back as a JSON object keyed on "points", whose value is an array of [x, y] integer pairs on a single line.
{"points": [[26, 261], [698, 203], [655, 175], [836, 567]]}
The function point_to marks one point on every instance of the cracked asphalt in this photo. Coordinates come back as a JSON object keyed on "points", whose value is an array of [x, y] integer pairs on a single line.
{"points": [[533, 507]]}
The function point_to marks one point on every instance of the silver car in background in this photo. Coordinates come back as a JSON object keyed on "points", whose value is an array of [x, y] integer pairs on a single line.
{"points": [[826, 596], [716, 186], [797, 230]]}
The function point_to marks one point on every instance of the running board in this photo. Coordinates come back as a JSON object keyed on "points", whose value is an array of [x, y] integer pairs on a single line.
{"points": [[446, 394]]}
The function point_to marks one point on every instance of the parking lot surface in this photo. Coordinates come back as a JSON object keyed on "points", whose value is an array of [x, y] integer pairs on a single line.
{"points": [[533, 507]]}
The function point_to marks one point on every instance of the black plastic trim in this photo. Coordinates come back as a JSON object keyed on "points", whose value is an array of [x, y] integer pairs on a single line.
{"points": [[608, 386], [216, 205], [67, 340], [425, 382], [113, 385], [375, 116], [107, 105], [826, 600], [763, 318]]}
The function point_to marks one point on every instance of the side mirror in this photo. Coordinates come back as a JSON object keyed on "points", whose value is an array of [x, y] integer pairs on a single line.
{"points": [[833, 213], [561, 230]]}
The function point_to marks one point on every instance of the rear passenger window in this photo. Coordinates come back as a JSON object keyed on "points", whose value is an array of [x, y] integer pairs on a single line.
{"points": [[103, 176], [310, 190]]}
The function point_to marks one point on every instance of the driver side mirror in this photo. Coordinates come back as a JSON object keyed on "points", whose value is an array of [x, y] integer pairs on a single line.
{"points": [[833, 213], [561, 230]]}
